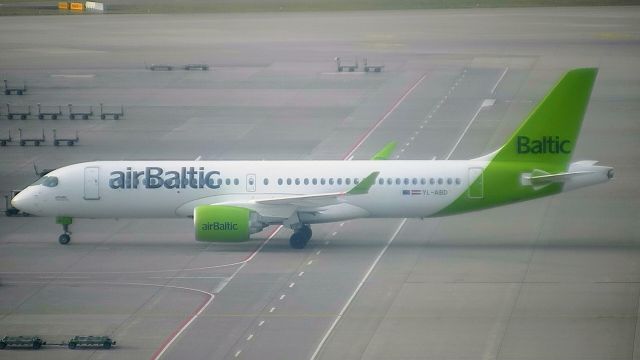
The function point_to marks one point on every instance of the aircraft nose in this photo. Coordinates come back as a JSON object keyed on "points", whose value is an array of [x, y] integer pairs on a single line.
{"points": [[21, 201]]}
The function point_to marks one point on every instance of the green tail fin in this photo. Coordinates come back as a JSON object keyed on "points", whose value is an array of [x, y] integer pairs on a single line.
{"points": [[550, 132]]}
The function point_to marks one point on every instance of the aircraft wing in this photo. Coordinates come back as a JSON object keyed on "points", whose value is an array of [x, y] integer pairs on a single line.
{"points": [[319, 200]]}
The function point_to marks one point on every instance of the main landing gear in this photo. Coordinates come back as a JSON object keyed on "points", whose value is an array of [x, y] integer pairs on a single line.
{"points": [[300, 237], [65, 221]]}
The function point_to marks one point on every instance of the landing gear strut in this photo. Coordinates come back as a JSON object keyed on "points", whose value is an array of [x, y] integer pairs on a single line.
{"points": [[65, 221], [300, 237]]}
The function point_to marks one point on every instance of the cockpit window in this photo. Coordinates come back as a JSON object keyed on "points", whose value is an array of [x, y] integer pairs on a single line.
{"points": [[48, 181], [52, 181]]}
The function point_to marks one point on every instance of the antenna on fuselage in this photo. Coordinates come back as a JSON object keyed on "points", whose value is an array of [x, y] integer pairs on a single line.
{"points": [[41, 173]]}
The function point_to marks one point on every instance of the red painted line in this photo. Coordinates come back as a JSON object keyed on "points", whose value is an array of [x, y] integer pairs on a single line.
{"points": [[366, 135]]}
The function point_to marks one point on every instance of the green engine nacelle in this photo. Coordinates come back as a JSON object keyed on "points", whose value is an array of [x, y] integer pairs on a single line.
{"points": [[219, 223]]}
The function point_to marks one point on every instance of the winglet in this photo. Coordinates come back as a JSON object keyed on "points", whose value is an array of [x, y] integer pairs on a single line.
{"points": [[386, 152], [364, 186]]}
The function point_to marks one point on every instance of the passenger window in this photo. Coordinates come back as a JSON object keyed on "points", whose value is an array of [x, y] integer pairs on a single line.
{"points": [[306, 181], [347, 181], [266, 181], [356, 181], [288, 181], [322, 181], [440, 181], [449, 181], [398, 181], [219, 182], [389, 181], [330, 181], [381, 181], [236, 181], [406, 181], [423, 181], [339, 181], [414, 181], [458, 181], [227, 181], [314, 181], [432, 181], [297, 181], [280, 181]]}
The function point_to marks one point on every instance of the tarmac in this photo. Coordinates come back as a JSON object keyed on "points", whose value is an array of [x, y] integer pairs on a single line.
{"points": [[555, 278]]}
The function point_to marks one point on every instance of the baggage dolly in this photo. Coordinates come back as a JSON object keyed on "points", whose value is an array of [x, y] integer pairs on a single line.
{"points": [[203, 67], [113, 114], [18, 113], [52, 114], [35, 141], [160, 67], [95, 341], [69, 141], [5, 140], [8, 90], [372, 68], [348, 68], [85, 115], [34, 342]]}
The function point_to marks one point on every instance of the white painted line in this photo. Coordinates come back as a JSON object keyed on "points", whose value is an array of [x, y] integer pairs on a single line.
{"points": [[292, 285], [407, 144], [334, 233], [272, 309], [499, 80], [318, 252], [261, 323], [353, 295], [402, 150], [310, 262], [249, 337], [434, 157], [341, 224], [344, 73], [179, 277], [74, 76], [421, 126], [300, 273], [238, 353], [395, 106], [282, 296], [350, 158], [463, 133], [327, 242]]}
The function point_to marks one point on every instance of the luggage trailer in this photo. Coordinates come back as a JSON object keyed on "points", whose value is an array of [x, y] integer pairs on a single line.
{"points": [[5, 140], [24, 140], [34, 342], [52, 114], [69, 141], [20, 112], [8, 90], [113, 114], [85, 115]]}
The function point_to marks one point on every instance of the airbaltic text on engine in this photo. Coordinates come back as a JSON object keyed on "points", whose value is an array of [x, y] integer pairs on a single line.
{"points": [[156, 177], [220, 226], [546, 145]]}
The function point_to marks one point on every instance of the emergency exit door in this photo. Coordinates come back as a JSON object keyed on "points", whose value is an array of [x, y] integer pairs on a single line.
{"points": [[91, 183]]}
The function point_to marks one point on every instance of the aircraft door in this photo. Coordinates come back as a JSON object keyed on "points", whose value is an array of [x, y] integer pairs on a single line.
{"points": [[476, 183], [251, 182], [91, 183]]}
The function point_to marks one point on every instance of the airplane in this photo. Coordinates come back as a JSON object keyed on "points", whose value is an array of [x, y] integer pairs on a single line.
{"points": [[230, 200]]}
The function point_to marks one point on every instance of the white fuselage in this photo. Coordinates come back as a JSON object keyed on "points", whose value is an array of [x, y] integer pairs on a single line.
{"points": [[119, 189]]}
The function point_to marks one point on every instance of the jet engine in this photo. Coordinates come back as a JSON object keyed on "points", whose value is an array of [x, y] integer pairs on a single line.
{"points": [[221, 223]]}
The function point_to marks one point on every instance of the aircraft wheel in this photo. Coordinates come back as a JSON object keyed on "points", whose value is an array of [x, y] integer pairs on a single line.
{"points": [[64, 239], [306, 232], [297, 240]]}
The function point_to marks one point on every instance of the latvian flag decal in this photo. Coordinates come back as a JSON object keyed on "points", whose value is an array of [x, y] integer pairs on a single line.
{"points": [[411, 192]]}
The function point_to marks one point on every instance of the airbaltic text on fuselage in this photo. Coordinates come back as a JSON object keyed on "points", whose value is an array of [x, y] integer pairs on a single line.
{"points": [[545, 145], [156, 177]]}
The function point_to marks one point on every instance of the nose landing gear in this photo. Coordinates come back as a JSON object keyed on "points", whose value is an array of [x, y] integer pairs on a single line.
{"points": [[300, 237], [65, 221]]}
